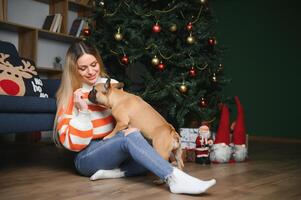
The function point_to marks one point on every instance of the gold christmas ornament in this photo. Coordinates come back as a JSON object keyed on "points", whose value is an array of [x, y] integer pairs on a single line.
{"points": [[101, 3], [118, 36], [183, 88], [155, 61], [214, 79], [173, 28], [220, 67], [190, 39], [203, 102]]}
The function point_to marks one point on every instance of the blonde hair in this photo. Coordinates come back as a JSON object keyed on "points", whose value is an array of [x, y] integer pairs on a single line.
{"points": [[71, 79]]}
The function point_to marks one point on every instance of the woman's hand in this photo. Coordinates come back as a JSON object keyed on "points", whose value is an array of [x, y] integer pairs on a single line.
{"points": [[79, 102]]}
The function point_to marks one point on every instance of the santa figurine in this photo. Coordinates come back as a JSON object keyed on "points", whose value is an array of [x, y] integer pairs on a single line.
{"points": [[240, 150], [203, 143], [221, 150]]}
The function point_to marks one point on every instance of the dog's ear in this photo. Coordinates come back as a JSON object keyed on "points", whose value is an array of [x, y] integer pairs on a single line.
{"points": [[107, 85], [119, 85]]}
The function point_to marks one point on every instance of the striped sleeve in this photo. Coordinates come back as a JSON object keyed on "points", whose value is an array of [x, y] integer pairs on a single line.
{"points": [[75, 129]]}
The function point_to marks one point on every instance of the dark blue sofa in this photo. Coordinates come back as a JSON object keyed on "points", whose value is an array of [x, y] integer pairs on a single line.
{"points": [[27, 111], [20, 114]]}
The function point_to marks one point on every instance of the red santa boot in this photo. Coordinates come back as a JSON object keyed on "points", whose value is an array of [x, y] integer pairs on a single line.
{"points": [[221, 151], [239, 134]]}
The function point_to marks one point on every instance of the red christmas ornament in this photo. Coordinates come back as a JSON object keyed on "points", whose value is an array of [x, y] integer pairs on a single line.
{"points": [[125, 60], [192, 72], [157, 28], [189, 26], [212, 41], [161, 66], [87, 31]]}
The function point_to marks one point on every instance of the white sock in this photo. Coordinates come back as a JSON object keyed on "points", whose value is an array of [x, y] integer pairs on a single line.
{"points": [[180, 182], [106, 174]]}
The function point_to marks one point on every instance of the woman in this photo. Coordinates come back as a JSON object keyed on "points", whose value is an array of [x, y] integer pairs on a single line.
{"points": [[82, 127]]}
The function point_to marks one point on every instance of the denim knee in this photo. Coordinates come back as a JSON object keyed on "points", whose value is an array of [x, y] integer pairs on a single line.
{"points": [[78, 166], [98, 155]]}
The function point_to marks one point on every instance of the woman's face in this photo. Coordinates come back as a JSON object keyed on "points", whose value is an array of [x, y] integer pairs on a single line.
{"points": [[88, 68]]}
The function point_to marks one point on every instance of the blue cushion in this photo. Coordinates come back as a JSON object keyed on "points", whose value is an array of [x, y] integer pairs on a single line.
{"points": [[26, 104], [51, 86], [25, 122], [34, 86]]}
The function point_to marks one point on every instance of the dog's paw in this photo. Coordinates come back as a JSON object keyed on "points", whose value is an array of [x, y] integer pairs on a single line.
{"points": [[174, 163]]}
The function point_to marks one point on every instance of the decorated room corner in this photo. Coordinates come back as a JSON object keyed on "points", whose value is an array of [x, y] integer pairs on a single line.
{"points": [[150, 99]]}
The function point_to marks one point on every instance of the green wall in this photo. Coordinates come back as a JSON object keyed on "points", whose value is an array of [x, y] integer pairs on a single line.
{"points": [[264, 61]]}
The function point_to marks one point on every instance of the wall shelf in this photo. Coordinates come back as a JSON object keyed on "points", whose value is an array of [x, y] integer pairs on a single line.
{"points": [[29, 36]]}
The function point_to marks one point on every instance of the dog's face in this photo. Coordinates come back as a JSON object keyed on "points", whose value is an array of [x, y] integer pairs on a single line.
{"points": [[100, 92]]}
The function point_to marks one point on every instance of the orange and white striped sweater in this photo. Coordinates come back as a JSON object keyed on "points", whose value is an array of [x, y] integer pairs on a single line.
{"points": [[76, 129]]}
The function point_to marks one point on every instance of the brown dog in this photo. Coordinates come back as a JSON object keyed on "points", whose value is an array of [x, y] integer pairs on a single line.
{"points": [[132, 111]]}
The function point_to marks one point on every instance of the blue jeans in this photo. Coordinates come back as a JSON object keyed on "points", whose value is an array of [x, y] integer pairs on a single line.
{"points": [[131, 153]]}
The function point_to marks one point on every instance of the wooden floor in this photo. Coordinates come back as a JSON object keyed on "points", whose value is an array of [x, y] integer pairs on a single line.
{"points": [[40, 171]]}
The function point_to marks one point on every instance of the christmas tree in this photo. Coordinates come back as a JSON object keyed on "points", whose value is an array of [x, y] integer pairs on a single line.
{"points": [[174, 46]]}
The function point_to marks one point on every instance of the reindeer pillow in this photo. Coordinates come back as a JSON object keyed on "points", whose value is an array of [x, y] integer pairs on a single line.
{"points": [[18, 77], [34, 85]]}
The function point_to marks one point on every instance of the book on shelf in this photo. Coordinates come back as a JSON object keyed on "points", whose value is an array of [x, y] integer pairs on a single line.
{"points": [[60, 25], [53, 22], [76, 27], [57, 22], [48, 22]]}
